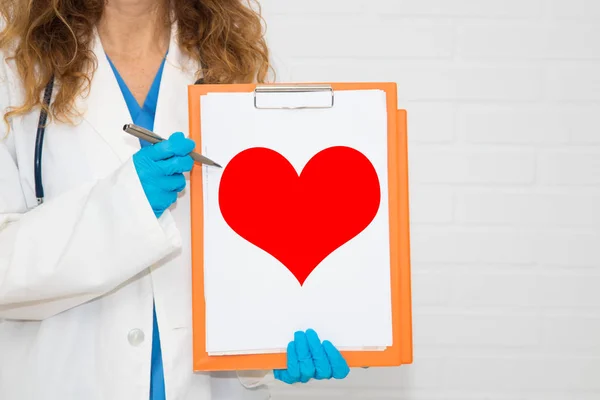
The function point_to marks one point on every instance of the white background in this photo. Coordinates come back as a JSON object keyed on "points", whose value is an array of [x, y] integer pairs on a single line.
{"points": [[503, 100]]}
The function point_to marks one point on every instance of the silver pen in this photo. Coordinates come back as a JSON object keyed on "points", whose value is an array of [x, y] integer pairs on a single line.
{"points": [[145, 134]]}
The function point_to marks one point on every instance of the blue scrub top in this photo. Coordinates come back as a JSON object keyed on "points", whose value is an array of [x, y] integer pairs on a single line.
{"points": [[144, 117]]}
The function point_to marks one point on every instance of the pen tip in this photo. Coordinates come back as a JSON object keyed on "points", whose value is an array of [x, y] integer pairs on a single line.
{"points": [[217, 165]]}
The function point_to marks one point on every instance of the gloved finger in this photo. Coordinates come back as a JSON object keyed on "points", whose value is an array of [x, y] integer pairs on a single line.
{"points": [[339, 367], [176, 165], [171, 183], [293, 368], [176, 145], [305, 361], [284, 376], [322, 366]]}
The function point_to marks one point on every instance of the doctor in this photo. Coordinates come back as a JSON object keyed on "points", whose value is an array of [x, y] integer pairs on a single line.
{"points": [[95, 281]]}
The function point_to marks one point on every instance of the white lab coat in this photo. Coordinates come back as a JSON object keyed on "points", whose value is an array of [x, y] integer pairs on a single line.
{"points": [[78, 274]]}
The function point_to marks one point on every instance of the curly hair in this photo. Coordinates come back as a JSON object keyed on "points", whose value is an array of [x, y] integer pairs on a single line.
{"points": [[53, 38]]}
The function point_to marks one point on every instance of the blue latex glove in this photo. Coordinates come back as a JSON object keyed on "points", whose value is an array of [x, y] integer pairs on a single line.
{"points": [[308, 358], [160, 168]]}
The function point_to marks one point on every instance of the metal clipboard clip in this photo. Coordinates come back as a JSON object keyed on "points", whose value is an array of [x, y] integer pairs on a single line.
{"points": [[320, 96]]}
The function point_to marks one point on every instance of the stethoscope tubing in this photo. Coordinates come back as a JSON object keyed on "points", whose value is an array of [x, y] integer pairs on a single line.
{"points": [[39, 143]]}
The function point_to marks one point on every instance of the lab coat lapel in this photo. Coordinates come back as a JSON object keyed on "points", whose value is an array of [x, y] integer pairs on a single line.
{"points": [[172, 116], [172, 106], [105, 109]]}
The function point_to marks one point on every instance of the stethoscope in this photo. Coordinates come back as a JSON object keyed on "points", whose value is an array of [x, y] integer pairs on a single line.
{"points": [[39, 140]]}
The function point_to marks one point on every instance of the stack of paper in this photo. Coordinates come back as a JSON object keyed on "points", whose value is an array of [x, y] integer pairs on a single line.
{"points": [[254, 304]]}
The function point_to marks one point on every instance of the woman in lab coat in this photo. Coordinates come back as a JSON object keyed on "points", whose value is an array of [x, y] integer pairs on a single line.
{"points": [[95, 282]]}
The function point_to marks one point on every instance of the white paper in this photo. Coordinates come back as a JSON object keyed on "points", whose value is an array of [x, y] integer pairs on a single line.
{"points": [[253, 303]]}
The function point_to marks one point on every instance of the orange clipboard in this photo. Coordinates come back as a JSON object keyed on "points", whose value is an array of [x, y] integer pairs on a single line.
{"points": [[401, 351]]}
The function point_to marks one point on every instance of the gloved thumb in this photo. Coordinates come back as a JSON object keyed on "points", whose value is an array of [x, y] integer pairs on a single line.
{"points": [[180, 145], [176, 145]]}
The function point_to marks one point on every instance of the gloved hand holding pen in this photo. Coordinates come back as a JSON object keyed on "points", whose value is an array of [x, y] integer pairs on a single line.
{"points": [[160, 168]]}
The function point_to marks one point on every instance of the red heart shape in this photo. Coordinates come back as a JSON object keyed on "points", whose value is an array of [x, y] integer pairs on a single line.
{"points": [[299, 220]]}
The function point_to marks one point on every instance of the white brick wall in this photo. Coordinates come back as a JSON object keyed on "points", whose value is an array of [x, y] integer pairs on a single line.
{"points": [[503, 100]]}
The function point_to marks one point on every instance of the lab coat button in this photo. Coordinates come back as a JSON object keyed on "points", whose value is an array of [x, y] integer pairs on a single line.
{"points": [[135, 337]]}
